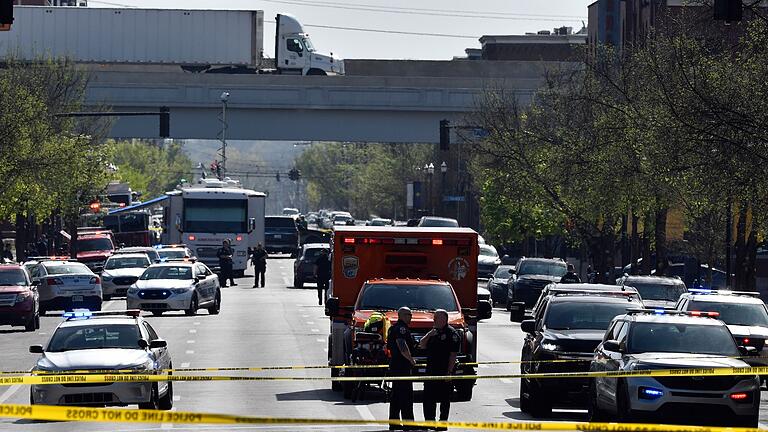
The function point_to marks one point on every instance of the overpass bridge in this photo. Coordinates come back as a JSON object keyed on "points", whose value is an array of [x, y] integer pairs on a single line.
{"points": [[396, 105]]}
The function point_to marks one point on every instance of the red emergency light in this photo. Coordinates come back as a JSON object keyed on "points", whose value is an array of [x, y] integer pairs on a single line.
{"points": [[705, 314], [191, 237], [739, 396], [239, 238]]}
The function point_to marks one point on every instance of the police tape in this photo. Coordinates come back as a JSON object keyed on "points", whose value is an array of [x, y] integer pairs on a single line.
{"points": [[139, 378], [114, 415], [310, 367]]}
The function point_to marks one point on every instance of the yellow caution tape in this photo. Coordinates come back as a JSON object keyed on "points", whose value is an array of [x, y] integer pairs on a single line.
{"points": [[112, 378], [59, 413]]}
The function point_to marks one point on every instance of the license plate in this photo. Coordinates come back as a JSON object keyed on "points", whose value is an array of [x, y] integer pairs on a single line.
{"points": [[422, 370], [77, 298], [277, 236]]}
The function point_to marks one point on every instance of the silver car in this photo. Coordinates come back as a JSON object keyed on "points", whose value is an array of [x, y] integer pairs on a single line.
{"points": [[646, 340], [66, 285], [120, 272], [176, 285], [99, 341]]}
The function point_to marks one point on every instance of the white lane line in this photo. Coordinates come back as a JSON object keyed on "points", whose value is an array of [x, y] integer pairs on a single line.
{"points": [[185, 365], [320, 340], [483, 366], [507, 381], [42, 333], [193, 330], [316, 330], [190, 352], [364, 412], [196, 323], [286, 281], [310, 322], [176, 398], [167, 426], [191, 341], [305, 316], [10, 392], [284, 273]]}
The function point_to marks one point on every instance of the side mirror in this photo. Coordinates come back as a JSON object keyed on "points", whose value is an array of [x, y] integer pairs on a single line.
{"points": [[332, 306], [612, 345], [512, 271], [747, 350], [484, 310], [197, 279], [143, 344], [528, 326], [36, 282], [36, 349], [158, 343]]}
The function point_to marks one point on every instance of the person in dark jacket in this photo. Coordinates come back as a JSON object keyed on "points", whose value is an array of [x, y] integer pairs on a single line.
{"points": [[42, 246], [322, 274], [570, 276], [442, 344], [225, 254], [400, 343], [259, 260]]}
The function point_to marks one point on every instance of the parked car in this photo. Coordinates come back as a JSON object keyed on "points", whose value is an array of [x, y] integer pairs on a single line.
{"points": [[531, 276], [497, 284], [434, 221], [120, 272], [281, 235], [657, 291], [487, 261], [19, 300], [304, 266]]}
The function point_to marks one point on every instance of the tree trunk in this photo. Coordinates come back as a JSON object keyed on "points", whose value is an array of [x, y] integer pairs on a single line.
{"points": [[660, 235], [750, 283], [626, 253], [646, 264], [634, 244], [741, 249], [21, 237], [72, 229]]}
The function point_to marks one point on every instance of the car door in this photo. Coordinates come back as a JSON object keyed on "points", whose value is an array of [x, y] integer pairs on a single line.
{"points": [[615, 362], [207, 282], [161, 355], [200, 287], [606, 360]]}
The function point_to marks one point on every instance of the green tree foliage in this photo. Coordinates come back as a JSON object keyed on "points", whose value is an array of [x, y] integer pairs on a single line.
{"points": [[366, 179], [151, 168]]}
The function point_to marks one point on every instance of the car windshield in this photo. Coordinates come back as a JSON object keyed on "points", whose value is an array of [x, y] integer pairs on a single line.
{"points": [[502, 272], [167, 272], [95, 337], [279, 222], [417, 297], [568, 315], [655, 291], [72, 268], [94, 244], [681, 338], [172, 253], [744, 314], [448, 223], [542, 268], [488, 250], [311, 254], [13, 277], [126, 262]]}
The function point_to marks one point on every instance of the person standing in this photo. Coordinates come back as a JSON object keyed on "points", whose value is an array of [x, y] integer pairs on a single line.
{"points": [[570, 276], [400, 343], [442, 344], [225, 254], [322, 274], [41, 247], [259, 260], [7, 253]]}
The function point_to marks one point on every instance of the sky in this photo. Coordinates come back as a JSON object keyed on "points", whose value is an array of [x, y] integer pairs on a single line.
{"points": [[460, 22]]}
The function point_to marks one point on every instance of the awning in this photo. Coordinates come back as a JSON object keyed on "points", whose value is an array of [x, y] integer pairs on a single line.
{"points": [[145, 204]]}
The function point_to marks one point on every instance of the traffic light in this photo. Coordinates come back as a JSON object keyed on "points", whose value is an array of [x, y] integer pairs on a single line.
{"points": [[445, 134], [6, 14], [277, 176], [165, 121], [95, 206], [728, 10], [294, 174]]}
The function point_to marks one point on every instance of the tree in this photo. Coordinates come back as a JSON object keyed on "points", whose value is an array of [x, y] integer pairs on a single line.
{"points": [[151, 168]]}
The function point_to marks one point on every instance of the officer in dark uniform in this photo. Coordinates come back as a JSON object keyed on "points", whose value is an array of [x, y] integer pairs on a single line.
{"points": [[322, 274], [442, 344], [570, 276], [400, 343], [225, 254]]}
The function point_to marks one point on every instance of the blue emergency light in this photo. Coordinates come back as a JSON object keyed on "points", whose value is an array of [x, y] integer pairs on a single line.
{"points": [[78, 314], [650, 393]]}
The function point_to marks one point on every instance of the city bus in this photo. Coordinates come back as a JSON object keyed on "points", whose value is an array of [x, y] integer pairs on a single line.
{"points": [[203, 215]]}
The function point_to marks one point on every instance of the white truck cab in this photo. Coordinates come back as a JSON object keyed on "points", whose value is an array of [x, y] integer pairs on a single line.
{"points": [[295, 54]]}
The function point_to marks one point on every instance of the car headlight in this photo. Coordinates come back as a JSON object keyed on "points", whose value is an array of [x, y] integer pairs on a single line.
{"points": [[549, 346], [20, 297], [106, 277], [147, 365], [45, 365], [180, 290]]}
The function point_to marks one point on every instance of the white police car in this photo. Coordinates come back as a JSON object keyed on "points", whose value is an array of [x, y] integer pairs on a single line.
{"points": [[104, 341], [176, 285]]}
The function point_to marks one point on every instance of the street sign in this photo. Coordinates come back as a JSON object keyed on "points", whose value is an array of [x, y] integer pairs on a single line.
{"points": [[453, 198]]}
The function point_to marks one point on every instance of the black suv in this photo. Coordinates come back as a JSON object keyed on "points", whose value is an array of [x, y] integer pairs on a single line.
{"points": [[531, 276], [568, 324], [657, 291], [281, 235]]}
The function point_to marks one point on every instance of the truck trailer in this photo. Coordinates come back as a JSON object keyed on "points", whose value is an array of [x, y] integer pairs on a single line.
{"points": [[215, 41]]}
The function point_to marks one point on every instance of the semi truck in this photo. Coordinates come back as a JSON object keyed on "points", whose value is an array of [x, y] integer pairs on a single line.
{"points": [[376, 270], [214, 41]]}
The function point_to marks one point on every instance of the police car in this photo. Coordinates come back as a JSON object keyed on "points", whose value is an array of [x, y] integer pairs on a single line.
{"points": [[176, 285], [121, 271], [174, 251], [65, 285], [98, 341], [742, 311]]}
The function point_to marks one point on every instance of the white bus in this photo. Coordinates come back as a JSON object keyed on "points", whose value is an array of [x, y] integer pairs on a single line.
{"points": [[202, 216]]}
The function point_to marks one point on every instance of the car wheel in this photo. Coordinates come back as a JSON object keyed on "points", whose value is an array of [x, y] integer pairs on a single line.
{"points": [[525, 403], [214, 310], [166, 402], [107, 297], [30, 325], [538, 403], [349, 388], [298, 283], [464, 389], [594, 413], [750, 421], [335, 385], [154, 400], [97, 306], [623, 411], [192, 306], [37, 322]]}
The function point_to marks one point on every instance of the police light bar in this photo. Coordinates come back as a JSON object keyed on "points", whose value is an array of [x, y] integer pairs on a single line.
{"points": [[673, 312], [128, 312], [162, 246], [50, 258], [622, 291], [185, 259], [723, 292], [77, 314]]}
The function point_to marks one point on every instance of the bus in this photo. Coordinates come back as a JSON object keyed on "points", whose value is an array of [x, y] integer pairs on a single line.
{"points": [[203, 215]]}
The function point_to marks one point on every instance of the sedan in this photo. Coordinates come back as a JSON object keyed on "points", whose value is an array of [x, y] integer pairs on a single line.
{"points": [[185, 286]]}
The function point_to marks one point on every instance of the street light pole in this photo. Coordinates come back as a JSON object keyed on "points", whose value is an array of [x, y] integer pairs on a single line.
{"points": [[443, 171], [431, 172], [223, 120]]}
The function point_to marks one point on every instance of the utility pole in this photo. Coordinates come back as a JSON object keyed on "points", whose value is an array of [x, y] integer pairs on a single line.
{"points": [[223, 133]]}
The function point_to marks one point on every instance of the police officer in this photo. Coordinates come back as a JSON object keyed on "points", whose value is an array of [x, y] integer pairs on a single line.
{"points": [[570, 276], [322, 274], [400, 343], [225, 263], [259, 260], [442, 344]]}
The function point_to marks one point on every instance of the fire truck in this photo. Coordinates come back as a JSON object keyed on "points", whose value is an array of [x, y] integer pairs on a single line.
{"points": [[377, 270]]}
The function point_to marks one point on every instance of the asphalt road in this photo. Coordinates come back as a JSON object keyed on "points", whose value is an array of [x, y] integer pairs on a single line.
{"points": [[276, 325]]}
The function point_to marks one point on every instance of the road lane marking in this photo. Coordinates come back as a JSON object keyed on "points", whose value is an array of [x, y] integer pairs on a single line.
{"points": [[167, 426], [193, 330], [196, 323], [176, 398], [190, 352], [315, 330], [320, 340], [286, 281], [185, 365], [364, 412], [191, 341], [310, 322], [507, 381], [10, 392], [305, 316]]}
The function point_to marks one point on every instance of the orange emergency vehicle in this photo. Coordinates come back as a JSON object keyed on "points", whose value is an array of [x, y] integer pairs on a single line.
{"points": [[376, 270]]}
